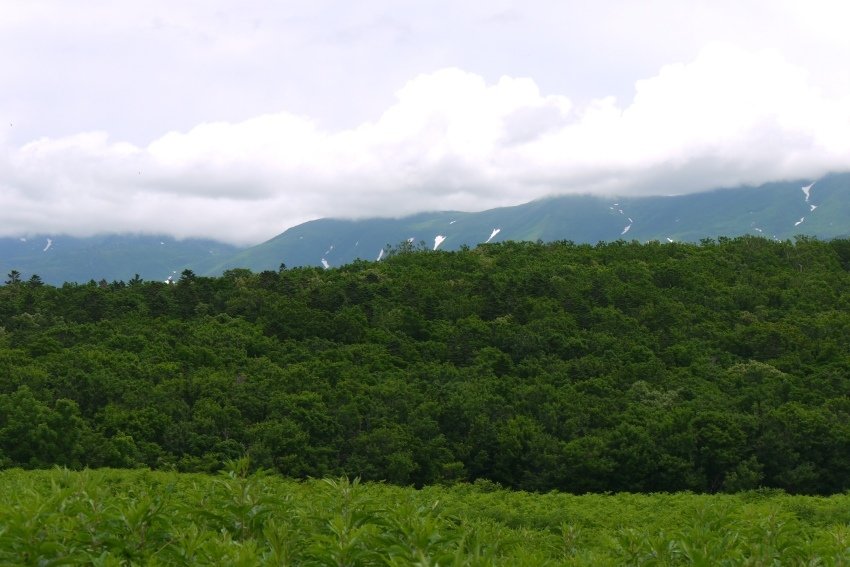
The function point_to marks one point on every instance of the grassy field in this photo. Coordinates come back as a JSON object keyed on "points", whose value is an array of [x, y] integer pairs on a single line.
{"points": [[141, 517]]}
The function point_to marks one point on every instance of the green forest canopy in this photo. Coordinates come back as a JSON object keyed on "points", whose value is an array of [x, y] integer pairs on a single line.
{"points": [[623, 366]]}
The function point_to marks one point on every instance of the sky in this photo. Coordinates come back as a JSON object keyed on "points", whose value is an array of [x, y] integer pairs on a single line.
{"points": [[237, 120]]}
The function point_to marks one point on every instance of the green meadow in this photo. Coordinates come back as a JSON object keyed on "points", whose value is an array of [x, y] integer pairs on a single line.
{"points": [[143, 517]]}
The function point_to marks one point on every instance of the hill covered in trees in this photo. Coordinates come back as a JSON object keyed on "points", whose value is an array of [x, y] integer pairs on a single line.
{"points": [[617, 367]]}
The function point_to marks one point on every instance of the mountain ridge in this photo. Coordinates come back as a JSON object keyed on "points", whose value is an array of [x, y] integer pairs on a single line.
{"points": [[813, 207], [778, 210], [57, 259]]}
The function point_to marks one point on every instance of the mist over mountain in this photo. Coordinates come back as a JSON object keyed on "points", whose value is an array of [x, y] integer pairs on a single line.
{"points": [[775, 210], [780, 210]]}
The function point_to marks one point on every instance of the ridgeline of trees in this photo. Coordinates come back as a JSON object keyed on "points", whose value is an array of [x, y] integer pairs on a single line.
{"points": [[617, 367]]}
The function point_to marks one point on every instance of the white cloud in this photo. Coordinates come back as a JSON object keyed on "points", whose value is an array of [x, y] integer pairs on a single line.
{"points": [[451, 140]]}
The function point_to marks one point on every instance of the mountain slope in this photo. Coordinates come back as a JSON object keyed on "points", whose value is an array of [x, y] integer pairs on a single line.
{"points": [[57, 259], [775, 210]]}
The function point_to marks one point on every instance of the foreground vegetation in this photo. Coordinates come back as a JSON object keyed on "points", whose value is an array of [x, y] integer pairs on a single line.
{"points": [[112, 517], [620, 367]]}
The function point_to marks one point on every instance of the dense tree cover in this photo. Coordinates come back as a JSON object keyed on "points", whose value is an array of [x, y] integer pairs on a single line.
{"points": [[617, 367]]}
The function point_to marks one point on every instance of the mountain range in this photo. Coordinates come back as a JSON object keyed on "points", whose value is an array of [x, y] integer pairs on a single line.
{"points": [[780, 210], [57, 259]]}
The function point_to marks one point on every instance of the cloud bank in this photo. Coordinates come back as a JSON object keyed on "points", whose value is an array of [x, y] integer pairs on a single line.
{"points": [[450, 140]]}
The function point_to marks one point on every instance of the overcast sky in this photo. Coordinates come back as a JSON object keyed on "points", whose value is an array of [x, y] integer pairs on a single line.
{"points": [[237, 120]]}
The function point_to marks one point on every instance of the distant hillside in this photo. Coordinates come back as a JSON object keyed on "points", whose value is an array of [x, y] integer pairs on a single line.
{"points": [[57, 259], [774, 210]]}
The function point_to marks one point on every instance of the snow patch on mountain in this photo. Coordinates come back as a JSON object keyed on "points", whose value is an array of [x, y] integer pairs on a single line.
{"points": [[439, 239], [628, 227], [48, 245], [807, 191], [493, 234]]}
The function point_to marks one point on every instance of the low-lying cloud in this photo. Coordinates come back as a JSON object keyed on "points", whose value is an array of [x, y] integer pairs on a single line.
{"points": [[450, 141]]}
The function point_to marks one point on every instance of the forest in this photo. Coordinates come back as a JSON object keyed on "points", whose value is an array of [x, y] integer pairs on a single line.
{"points": [[618, 367]]}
